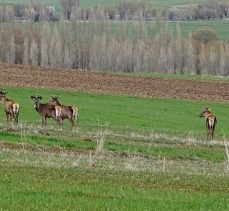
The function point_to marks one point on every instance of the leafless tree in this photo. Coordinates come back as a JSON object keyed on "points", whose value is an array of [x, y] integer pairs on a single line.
{"points": [[34, 53], [69, 6]]}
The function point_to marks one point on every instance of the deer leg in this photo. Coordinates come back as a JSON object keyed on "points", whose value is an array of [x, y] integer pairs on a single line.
{"points": [[59, 122], [208, 135], [43, 122], [7, 118], [17, 118], [76, 116], [206, 138], [72, 121], [213, 129]]}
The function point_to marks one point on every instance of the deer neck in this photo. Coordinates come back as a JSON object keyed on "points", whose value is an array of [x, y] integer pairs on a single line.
{"points": [[58, 103], [4, 100], [208, 114], [38, 107]]}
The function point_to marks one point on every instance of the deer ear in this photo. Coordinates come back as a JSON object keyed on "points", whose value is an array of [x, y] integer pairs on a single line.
{"points": [[40, 97], [32, 97]]}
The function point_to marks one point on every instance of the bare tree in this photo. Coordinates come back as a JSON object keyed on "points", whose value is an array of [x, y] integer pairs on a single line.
{"points": [[44, 52], [69, 6], [34, 53], [26, 51], [10, 54], [56, 51]]}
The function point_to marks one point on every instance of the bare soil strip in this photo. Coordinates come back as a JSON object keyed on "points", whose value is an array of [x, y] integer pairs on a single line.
{"points": [[115, 84]]}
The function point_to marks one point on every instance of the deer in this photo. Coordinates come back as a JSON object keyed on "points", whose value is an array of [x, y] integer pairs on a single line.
{"points": [[12, 108], [66, 112], [45, 110], [211, 121]]}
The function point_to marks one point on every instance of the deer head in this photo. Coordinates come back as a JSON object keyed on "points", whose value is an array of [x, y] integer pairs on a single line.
{"points": [[205, 112], [54, 100]]}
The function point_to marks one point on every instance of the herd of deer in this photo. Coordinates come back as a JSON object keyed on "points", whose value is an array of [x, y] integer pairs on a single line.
{"points": [[53, 109]]}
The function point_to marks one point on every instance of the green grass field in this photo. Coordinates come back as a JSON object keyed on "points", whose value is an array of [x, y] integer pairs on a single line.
{"points": [[185, 27], [89, 3], [136, 113], [123, 120], [87, 189], [127, 153]]}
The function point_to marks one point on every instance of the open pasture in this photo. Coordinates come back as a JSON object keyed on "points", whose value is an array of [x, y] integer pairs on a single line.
{"points": [[127, 153], [179, 117], [122, 124], [99, 189], [90, 3], [130, 29]]}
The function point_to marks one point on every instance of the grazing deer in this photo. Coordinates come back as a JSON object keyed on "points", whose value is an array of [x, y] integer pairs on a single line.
{"points": [[12, 108], [45, 110], [66, 112], [211, 122]]}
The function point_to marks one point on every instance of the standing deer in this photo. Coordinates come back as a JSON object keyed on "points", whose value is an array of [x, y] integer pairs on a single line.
{"points": [[211, 122], [12, 108], [45, 110], [66, 112]]}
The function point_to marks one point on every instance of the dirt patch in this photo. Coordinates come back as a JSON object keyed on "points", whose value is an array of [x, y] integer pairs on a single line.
{"points": [[116, 84]]}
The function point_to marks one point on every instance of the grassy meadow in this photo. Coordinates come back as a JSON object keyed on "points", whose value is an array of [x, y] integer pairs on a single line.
{"points": [[129, 124], [90, 3], [179, 117], [127, 153], [87, 189]]}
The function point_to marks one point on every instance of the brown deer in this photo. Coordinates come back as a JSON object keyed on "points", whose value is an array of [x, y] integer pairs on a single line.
{"points": [[211, 122], [45, 110], [66, 112], [12, 108]]}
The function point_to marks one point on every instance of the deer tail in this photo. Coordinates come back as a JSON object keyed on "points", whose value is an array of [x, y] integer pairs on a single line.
{"points": [[57, 112], [16, 108], [75, 112]]}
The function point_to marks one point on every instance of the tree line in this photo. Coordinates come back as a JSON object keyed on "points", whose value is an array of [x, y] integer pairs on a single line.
{"points": [[95, 46], [124, 10]]}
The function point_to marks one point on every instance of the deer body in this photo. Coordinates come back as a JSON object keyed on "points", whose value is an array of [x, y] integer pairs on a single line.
{"points": [[65, 112], [211, 121], [12, 108], [45, 110]]}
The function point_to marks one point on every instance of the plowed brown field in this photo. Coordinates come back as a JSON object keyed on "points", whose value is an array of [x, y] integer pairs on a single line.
{"points": [[117, 84]]}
